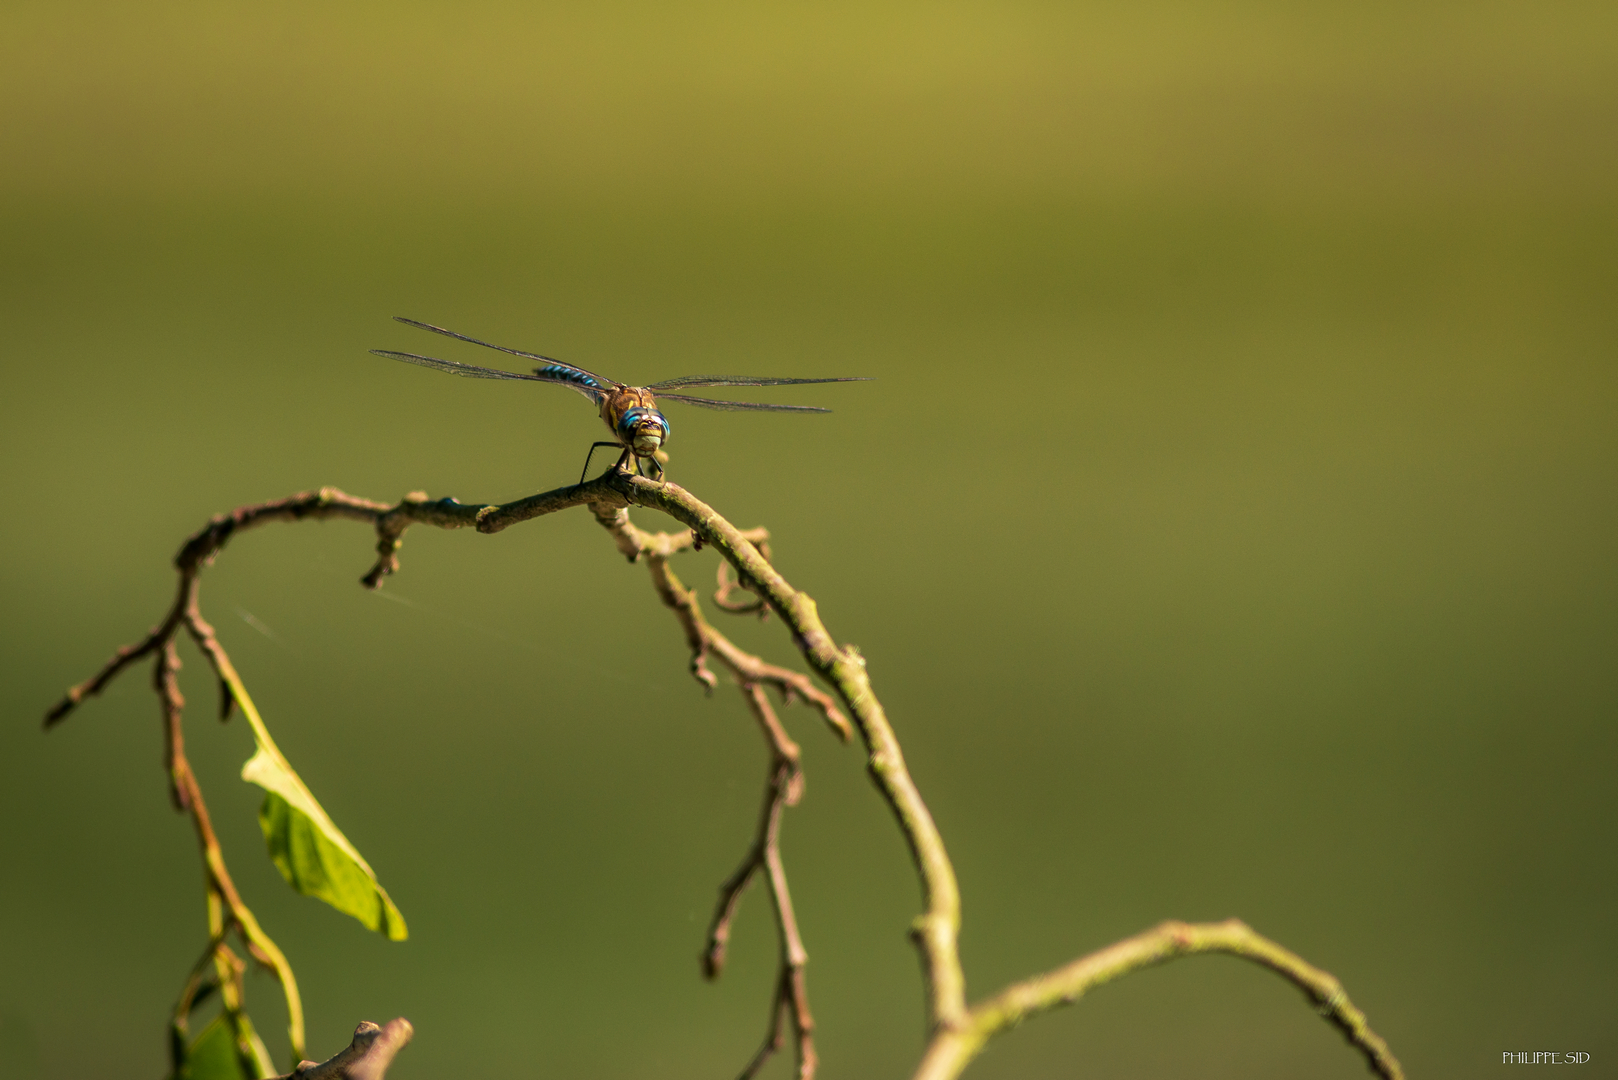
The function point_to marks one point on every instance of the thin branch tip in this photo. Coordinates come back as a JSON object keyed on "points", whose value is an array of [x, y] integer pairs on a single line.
{"points": [[366, 1058]]}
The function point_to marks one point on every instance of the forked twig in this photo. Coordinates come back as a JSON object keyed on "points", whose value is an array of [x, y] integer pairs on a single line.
{"points": [[226, 910], [700, 635], [790, 1002]]}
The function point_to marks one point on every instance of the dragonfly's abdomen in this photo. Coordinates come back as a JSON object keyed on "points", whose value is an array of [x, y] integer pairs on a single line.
{"points": [[568, 373]]}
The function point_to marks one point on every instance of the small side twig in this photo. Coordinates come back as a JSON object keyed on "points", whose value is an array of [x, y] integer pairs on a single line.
{"points": [[783, 788], [729, 584], [226, 910], [706, 641], [789, 1004]]}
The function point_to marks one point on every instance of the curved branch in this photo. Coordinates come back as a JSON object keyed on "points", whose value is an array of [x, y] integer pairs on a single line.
{"points": [[951, 1051], [936, 930], [957, 1033], [197, 552], [389, 520]]}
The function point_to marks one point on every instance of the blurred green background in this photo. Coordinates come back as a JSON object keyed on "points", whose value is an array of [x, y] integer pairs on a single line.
{"points": [[1230, 529]]}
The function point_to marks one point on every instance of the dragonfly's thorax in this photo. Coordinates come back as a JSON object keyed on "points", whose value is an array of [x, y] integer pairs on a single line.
{"points": [[631, 413]]}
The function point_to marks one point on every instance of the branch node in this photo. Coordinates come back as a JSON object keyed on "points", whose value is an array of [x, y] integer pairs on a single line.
{"points": [[728, 585], [227, 701], [699, 669]]}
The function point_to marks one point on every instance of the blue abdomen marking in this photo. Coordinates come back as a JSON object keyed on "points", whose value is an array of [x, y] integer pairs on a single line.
{"points": [[564, 373]]}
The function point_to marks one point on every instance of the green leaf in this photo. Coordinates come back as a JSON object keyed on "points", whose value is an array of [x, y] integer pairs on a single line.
{"points": [[313, 862], [306, 846], [214, 1054]]}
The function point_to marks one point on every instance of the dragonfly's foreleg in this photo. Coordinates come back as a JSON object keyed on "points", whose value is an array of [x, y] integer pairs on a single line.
{"points": [[646, 463], [592, 454]]}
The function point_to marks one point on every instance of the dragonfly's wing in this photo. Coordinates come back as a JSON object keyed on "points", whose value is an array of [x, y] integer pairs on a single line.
{"points": [[553, 371], [737, 380], [738, 406], [472, 371]]}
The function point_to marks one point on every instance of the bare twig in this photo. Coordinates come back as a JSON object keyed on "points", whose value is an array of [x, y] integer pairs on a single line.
{"points": [[196, 553], [225, 907], [167, 684], [937, 929], [789, 1002], [792, 990], [705, 641], [950, 1051], [783, 788], [728, 586], [366, 1058]]}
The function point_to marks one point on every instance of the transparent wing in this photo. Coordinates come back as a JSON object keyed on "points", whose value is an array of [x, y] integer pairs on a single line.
{"points": [[738, 380], [737, 406], [589, 378], [471, 371]]}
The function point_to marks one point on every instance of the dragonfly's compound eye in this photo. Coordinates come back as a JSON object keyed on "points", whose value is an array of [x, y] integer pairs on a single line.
{"points": [[644, 430]]}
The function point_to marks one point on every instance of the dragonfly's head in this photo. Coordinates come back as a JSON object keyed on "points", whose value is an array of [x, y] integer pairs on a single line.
{"points": [[643, 430]]}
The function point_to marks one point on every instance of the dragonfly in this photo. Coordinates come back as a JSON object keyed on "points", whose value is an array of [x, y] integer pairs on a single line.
{"points": [[638, 428]]}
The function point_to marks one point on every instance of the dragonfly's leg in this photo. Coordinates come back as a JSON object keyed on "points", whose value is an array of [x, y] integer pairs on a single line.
{"points": [[592, 454]]}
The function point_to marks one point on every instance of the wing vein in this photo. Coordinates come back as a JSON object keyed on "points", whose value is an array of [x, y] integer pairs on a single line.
{"points": [[471, 371], [738, 406], [740, 380]]}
